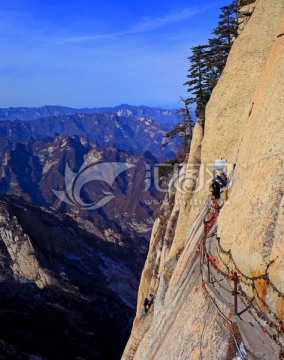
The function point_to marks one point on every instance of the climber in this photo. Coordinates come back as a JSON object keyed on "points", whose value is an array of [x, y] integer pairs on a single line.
{"points": [[148, 303], [151, 299], [221, 179], [280, 328], [216, 189]]}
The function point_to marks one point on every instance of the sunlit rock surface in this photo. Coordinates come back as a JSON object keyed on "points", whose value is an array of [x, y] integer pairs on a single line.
{"points": [[244, 124]]}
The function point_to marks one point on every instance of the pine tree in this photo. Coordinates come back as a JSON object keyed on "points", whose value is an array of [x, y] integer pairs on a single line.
{"points": [[197, 83], [183, 131], [227, 27], [208, 61]]}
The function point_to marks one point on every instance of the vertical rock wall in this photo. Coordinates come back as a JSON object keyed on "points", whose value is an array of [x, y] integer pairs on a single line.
{"points": [[245, 125]]}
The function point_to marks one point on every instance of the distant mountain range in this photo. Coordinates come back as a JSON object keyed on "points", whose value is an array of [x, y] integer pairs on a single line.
{"points": [[131, 134], [159, 115], [34, 167], [73, 269]]}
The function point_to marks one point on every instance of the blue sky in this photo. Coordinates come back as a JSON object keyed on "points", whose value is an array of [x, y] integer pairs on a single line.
{"points": [[94, 53]]}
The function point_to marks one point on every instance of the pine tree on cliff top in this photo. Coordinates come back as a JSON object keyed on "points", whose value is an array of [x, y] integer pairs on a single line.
{"points": [[227, 27], [197, 83], [208, 61], [215, 63]]}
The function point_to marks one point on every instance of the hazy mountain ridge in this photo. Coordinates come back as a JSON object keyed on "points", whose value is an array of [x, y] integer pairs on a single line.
{"points": [[159, 115], [131, 134]]}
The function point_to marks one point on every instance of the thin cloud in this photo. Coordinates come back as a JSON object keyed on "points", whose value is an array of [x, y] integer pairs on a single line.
{"points": [[77, 39], [146, 25], [149, 24]]}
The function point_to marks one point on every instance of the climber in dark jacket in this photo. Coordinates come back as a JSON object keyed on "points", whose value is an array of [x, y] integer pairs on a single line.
{"points": [[148, 303], [216, 190], [222, 179]]}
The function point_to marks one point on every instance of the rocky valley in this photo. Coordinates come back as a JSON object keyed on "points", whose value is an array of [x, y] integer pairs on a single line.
{"points": [[59, 287], [106, 255], [67, 268]]}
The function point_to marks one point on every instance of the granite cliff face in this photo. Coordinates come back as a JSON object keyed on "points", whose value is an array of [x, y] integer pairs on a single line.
{"points": [[65, 293], [192, 318]]}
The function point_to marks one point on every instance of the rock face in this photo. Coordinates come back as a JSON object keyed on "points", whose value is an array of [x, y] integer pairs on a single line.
{"points": [[258, 190], [58, 287], [245, 125]]}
